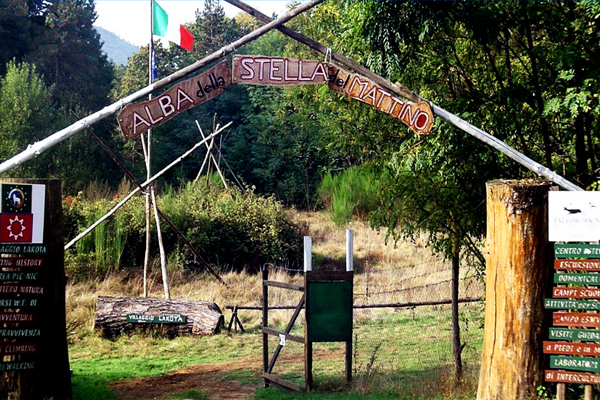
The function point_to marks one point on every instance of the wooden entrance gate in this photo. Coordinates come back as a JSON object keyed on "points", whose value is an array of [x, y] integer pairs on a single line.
{"points": [[327, 298]]}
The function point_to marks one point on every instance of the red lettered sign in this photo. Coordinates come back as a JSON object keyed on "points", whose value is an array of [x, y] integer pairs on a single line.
{"points": [[577, 265], [575, 293], [576, 319], [572, 377], [572, 349]]}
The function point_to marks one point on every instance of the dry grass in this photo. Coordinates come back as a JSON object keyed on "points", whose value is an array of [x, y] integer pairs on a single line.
{"points": [[394, 348], [385, 273]]}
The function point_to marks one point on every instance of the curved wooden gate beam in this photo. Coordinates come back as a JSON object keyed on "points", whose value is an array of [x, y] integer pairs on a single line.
{"points": [[43, 145], [410, 95]]}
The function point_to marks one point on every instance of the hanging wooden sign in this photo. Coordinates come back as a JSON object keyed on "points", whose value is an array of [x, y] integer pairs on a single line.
{"points": [[136, 119], [418, 117], [584, 320], [573, 349], [277, 71], [572, 377]]}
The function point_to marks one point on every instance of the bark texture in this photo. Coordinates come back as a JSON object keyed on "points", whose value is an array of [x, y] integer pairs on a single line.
{"points": [[518, 271], [202, 317]]}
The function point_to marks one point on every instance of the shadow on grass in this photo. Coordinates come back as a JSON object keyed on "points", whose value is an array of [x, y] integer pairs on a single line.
{"points": [[429, 384], [86, 387]]}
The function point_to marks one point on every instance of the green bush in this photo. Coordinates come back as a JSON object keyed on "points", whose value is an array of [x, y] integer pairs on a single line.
{"points": [[354, 192], [232, 230]]}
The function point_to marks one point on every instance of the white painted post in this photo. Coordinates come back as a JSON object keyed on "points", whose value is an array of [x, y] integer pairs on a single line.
{"points": [[349, 250], [307, 253]]}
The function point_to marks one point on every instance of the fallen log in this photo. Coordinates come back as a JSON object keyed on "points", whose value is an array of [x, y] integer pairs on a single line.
{"points": [[124, 315]]}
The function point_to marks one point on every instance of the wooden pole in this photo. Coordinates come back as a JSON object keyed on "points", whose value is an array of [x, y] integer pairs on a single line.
{"points": [[161, 248], [455, 281], [210, 154], [134, 191], [518, 274]]}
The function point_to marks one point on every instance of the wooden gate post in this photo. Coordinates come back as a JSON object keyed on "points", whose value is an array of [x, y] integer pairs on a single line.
{"points": [[35, 361], [518, 271]]}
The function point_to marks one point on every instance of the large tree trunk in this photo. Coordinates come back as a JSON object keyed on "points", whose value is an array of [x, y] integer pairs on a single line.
{"points": [[518, 272], [116, 315]]}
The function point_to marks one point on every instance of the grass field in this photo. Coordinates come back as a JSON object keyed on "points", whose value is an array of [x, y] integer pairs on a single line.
{"points": [[401, 353]]}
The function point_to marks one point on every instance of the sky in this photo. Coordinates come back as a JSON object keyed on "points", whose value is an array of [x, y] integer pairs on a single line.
{"points": [[130, 19]]}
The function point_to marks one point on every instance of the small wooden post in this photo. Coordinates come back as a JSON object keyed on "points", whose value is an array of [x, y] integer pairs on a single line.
{"points": [[308, 346], [561, 391], [265, 320], [589, 392], [349, 268], [518, 272]]}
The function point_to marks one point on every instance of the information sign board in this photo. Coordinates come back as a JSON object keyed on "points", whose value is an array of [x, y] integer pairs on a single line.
{"points": [[573, 216]]}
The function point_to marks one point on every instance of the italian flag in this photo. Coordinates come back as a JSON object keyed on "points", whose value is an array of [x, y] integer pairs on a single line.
{"points": [[163, 26]]}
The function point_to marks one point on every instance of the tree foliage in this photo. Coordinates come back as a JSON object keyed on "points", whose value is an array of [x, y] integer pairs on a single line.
{"points": [[29, 114], [55, 39]]}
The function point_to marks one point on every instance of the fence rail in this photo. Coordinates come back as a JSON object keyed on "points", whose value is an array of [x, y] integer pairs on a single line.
{"points": [[235, 321]]}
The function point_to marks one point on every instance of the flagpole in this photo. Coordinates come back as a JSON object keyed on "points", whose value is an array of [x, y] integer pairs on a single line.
{"points": [[146, 145], [150, 195]]}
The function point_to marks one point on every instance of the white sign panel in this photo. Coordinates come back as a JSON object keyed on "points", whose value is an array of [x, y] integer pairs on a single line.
{"points": [[574, 216]]}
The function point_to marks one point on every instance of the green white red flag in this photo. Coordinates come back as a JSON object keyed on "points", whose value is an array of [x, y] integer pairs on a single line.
{"points": [[166, 27]]}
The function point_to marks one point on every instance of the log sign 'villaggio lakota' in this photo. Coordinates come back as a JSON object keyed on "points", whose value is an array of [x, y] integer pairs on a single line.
{"points": [[136, 119]]}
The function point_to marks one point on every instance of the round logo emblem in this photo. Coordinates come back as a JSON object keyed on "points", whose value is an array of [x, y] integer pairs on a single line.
{"points": [[16, 198]]}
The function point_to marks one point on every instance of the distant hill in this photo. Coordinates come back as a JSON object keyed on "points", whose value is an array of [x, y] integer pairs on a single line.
{"points": [[116, 48]]}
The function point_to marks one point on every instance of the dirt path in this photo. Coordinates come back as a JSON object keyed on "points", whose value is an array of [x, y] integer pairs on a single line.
{"points": [[204, 378], [229, 380]]}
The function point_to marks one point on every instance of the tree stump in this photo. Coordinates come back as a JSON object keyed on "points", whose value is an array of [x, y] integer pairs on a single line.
{"points": [[117, 315], [518, 273]]}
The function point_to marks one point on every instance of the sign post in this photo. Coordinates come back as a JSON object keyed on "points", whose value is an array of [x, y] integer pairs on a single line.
{"points": [[33, 341], [574, 217]]}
